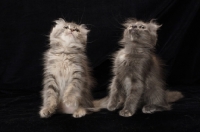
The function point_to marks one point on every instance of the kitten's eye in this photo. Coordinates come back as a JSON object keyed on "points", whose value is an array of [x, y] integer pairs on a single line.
{"points": [[77, 30], [67, 27], [142, 27]]}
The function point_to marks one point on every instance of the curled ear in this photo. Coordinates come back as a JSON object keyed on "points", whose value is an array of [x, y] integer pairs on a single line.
{"points": [[153, 25], [153, 21], [129, 21], [84, 28], [60, 21]]}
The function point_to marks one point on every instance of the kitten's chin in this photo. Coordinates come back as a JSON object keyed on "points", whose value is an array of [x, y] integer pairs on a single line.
{"points": [[132, 38], [68, 37]]}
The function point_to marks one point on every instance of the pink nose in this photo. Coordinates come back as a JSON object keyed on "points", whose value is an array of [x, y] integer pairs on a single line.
{"points": [[72, 30]]}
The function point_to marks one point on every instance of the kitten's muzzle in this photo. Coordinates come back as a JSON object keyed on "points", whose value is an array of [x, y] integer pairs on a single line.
{"points": [[132, 30], [74, 29], [134, 27]]}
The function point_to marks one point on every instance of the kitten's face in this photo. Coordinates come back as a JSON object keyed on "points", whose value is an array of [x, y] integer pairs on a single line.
{"points": [[70, 31], [138, 31]]}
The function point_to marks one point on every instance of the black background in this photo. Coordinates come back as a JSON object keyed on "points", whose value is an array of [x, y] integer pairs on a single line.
{"points": [[25, 24]]}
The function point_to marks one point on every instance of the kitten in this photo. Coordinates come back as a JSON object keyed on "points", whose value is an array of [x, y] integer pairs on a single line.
{"points": [[67, 80], [137, 73]]}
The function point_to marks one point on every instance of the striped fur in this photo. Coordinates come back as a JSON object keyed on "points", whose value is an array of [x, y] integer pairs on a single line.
{"points": [[67, 81]]}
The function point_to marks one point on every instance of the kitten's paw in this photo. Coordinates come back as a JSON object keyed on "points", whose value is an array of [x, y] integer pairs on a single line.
{"points": [[79, 113], [148, 109], [125, 113], [46, 112], [111, 107], [70, 101]]}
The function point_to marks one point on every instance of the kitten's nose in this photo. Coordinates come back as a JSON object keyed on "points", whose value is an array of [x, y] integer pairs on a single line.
{"points": [[72, 29], [134, 26]]}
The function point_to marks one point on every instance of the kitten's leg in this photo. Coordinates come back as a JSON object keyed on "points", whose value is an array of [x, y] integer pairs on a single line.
{"points": [[50, 97], [121, 100], [80, 112], [134, 91], [114, 99], [73, 91], [154, 97], [149, 109], [156, 102]]}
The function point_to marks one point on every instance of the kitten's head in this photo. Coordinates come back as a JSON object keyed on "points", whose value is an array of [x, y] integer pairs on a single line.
{"points": [[140, 32], [69, 31]]}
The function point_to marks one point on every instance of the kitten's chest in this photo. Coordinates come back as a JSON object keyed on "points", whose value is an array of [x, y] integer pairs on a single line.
{"points": [[63, 67], [128, 60], [66, 64], [126, 64], [122, 57]]}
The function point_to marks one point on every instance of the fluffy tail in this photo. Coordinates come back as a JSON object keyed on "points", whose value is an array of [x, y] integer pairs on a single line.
{"points": [[99, 104], [173, 96]]}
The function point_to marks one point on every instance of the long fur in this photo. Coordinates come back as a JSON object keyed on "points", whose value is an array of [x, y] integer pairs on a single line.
{"points": [[67, 81], [137, 74]]}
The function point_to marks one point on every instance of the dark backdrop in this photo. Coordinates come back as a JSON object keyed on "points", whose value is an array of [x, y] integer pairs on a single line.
{"points": [[25, 24]]}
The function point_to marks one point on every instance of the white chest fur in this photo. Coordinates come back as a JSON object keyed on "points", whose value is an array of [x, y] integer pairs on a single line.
{"points": [[63, 69], [122, 57]]}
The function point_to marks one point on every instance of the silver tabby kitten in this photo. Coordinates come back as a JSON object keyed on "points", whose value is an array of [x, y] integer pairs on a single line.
{"points": [[137, 73], [67, 80]]}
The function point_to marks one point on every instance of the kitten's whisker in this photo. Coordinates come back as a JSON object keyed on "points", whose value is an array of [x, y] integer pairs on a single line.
{"points": [[91, 41], [63, 17], [90, 25], [82, 16], [117, 20]]}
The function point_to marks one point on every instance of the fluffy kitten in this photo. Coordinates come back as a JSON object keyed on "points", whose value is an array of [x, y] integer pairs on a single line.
{"points": [[67, 80], [137, 74]]}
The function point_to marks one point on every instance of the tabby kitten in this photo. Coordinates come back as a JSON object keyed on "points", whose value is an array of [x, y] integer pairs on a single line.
{"points": [[137, 79], [67, 80]]}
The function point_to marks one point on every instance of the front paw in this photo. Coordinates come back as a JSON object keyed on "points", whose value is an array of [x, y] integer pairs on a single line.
{"points": [[111, 106], [46, 112], [79, 113], [125, 113], [70, 101], [149, 109]]}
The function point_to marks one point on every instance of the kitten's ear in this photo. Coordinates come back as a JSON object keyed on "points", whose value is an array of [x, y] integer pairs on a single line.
{"points": [[83, 26], [85, 29], [153, 25], [60, 21], [129, 21]]}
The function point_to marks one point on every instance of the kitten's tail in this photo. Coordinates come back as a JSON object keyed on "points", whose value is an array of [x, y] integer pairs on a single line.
{"points": [[99, 104], [173, 96]]}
